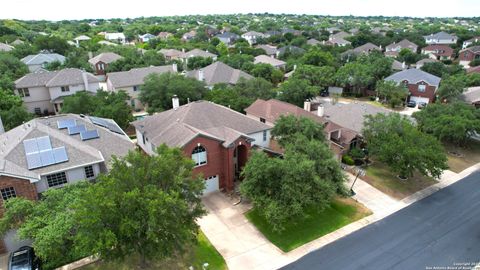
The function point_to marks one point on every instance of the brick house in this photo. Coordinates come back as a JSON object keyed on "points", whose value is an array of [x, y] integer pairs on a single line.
{"points": [[217, 138], [100, 62], [51, 152], [421, 85], [439, 52], [468, 55]]}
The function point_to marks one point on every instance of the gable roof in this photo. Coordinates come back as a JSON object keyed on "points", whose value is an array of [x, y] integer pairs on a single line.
{"points": [[68, 76], [265, 59], [228, 35], [107, 58], [136, 76], [473, 49], [41, 58], [338, 40], [341, 35], [5, 47], [177, 127], [198, 53], [440, 35], [219, 72], [403, 44], [80, 153], [82, 38], [414, 75], [269, 49], [366, 48], [170, 52], [291, 49], [472, 95], [313, 41], [253, 34]]}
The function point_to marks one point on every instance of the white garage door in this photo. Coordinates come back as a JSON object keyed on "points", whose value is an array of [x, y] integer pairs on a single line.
{"points": [[12, 242], [419, 99], [211, 185]]}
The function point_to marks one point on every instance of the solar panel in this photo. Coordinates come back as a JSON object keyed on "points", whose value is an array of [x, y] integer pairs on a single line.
{"points": [[47, 157], [76, 129], [107, 124], [30, 146], [34, 161], [60, 154], [99, 121], [44, 143], [89, 134], [114, 128], [65, 123]]}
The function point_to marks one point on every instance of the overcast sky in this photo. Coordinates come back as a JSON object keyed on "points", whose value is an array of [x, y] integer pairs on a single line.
{"points": [[86, 9]]}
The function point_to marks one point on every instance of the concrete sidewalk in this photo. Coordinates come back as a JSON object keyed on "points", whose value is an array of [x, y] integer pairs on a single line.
{"points": [[244, 247]]}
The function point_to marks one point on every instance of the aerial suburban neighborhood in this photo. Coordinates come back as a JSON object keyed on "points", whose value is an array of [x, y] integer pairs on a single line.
{"points": [[256, 135]]}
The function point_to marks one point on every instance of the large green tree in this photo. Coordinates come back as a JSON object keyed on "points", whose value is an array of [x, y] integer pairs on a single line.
{"points": [[453, 122], [452, 87], [268, 72], [12, 111], [287, 126], [321, 77], [391, 92], [394, 140], [296, 91], [11, 68], [159, 89]]}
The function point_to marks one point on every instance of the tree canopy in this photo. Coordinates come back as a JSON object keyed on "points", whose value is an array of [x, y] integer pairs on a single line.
{"points": [[12, 111], [296, 91], [452, 87], [392, 92]]}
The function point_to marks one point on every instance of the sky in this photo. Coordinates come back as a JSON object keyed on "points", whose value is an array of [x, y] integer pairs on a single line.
{"points": [[90, 9]]}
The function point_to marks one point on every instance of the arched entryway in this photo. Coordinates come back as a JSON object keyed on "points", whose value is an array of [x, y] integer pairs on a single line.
{"points": [[240, 159]]}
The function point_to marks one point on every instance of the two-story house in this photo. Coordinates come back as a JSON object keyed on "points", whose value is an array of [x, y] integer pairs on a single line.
{"points": [[38, 61], [131, 81], [218, 72], [51, 152], [468, 55], [393, 49], [227, 37], [441, 38], [439, 52], [116, 37], [471, 41], [100, 62], [218, 139], [252, 36], [421, 85], [42, 92]]}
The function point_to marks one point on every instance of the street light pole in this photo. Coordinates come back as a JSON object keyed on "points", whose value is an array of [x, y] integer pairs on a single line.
{"points": [[359, 172]]}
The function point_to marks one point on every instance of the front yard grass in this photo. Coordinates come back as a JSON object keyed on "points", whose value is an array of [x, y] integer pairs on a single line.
{"points": [[460, 158], [204, 252], [341, 212], [380, 176]]}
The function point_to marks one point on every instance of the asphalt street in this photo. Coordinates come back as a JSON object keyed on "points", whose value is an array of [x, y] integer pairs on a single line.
{"points": [[440, 231]]}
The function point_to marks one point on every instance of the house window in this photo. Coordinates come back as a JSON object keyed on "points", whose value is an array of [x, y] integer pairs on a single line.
{"points": [[65, 88], [264, 135], [57, 179], [89, 173], [262, 120], [38, 111], [421, 88], [8, 192], [135, 88], [199, 155], [143, 138], [23, 92]]}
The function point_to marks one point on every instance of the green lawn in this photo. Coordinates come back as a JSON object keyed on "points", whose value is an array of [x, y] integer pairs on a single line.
{"points": [[380, 176], [204, 252], [316, 224], [468, 155]]}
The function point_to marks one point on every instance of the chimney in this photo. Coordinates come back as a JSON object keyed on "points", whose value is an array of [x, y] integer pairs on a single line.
{"points": [[174, 67], [277, 54], [2, 129], [320, 111], [201, 76], [175, 102], [90, 55], [85, 80], [403, 65], [307, 106]]}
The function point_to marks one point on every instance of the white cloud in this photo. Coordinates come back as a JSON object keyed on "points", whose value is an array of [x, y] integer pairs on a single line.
{"points": [[65, 9]]}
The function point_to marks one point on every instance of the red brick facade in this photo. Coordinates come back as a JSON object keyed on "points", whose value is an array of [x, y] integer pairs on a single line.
{"points": [[98, 68], [428, 93], [23, 188], [468, 55], [220, 160]]}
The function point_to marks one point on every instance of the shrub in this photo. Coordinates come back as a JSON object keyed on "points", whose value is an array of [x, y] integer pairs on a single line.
{"points": [[356, 153], [348, 160]]}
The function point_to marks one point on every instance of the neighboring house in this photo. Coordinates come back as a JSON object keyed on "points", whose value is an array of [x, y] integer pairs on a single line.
{"points": [[171, 54], [422, 62], [291, 31], [253, 36], [439, 52], [265, 59], [117, 37], [468, 55], [42, 92], [81, 38], [340, 42], [5, 47], [396, 65], [290, 50], [272, 33], [189, 35], [51, 152], [473, 70], [39, 61], [466, 43], [146, 37], [100, 62], [107, 43], [421, 85], [341, 139], [131, 81], [395, 48], [270, 50], [198, 53], [341, 35], [228, 37], [218, 139], [218, 72], [313, 42], [164, 35], [471, 96], [364, 49], [441, 38]]}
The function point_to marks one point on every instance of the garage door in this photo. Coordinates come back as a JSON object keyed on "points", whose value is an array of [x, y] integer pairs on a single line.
{"points": [[12, 242], [211, 185], [419, 99]]}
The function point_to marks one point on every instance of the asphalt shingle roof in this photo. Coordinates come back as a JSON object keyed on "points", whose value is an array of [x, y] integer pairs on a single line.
{"points": [[68, 76], [219, 72], [136, 76], [41, 58], [265, 59], [414, 75], [107, 58]]}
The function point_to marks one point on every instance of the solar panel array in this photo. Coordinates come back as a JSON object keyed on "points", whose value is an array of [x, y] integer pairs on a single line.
{"points": [[89, 134], [39, 153], [65, 123], [74, 128], [106, 124]]}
